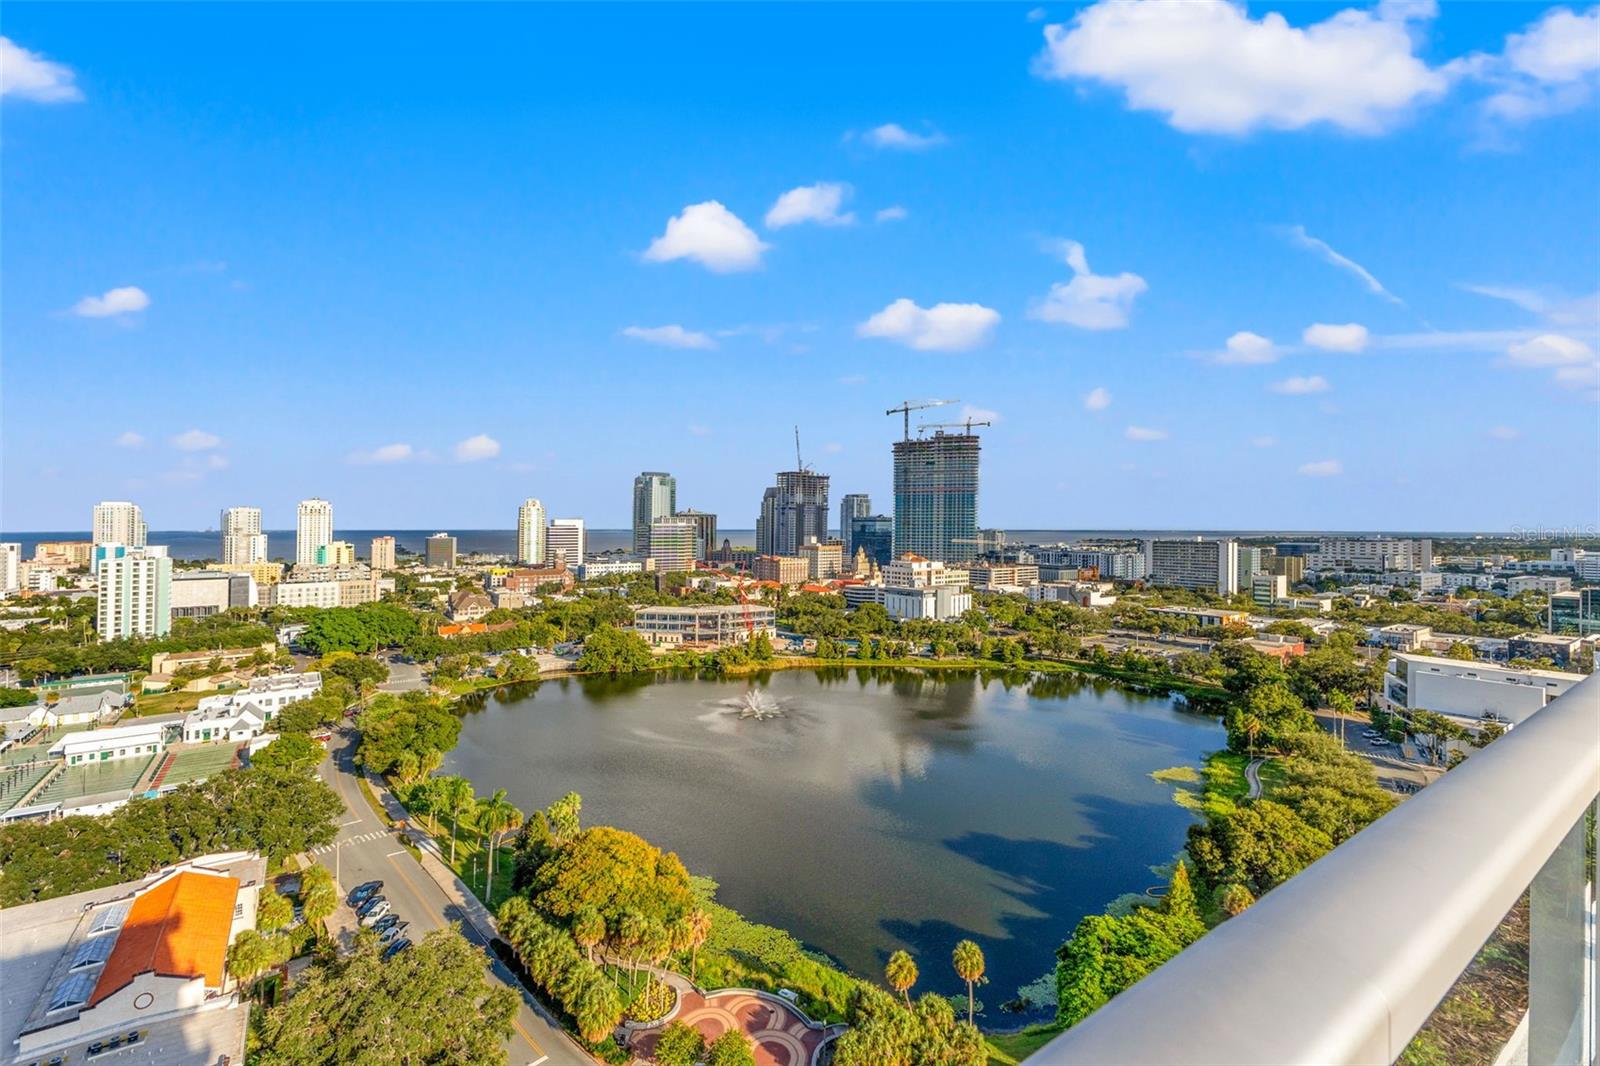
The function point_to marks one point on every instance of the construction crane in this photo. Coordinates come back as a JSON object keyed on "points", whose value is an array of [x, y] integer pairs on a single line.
{"points": [[799, 464], [967, 425], [913, 405]]}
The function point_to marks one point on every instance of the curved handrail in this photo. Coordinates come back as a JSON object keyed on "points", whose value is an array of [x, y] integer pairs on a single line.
{"points": [[1345, 962]]}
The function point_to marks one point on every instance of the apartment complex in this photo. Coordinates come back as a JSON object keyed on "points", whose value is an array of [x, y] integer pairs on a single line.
{"points": [[824, 560], [73, 554], [655, 495], [335, 553], [566, 541], [382, 553], [936, 496], [10, 568], [1193, 563], [243, 542], [1370, 554], [705, 531], [782, 569], [134, 591], [313, 528], [531, 532], [119, 522], [704, 625], [1002, 575]]}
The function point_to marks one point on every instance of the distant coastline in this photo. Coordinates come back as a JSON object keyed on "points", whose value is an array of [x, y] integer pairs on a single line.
{"points": [[189, 544]]}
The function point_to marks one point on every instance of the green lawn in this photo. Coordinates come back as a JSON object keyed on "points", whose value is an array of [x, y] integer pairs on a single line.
{"points": [[1008, 1049]]}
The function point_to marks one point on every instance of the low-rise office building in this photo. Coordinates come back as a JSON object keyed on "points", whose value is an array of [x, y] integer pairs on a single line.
{"points": [[1079, 593], [140, 739], [1469, 690], [1533, 583], [201, 593], [1266, 588], [608, 567], [705, 625], [997, 575], [137, 968], [1576, 613], [1402, 636], [1559, 649], [943, 603], [1206, 617], [529, 580], [782, 569]]}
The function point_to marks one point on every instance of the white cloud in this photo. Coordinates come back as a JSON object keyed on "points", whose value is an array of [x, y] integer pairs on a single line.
{"points": [[896, 213], [1300, 386], [130, 439], [31, 76], [895, 136], [940, 328], [1097, 399], [1322, 468], [1247, 349], [386, 453], [1210, 68], [1551, 67], [1038, 14], [1549, 349], [712, 236], [1557, 310], [1144, 433], [476, 448], [1579, 377], [1089, 300], [699, 431], [1264, 442], [1504, 432], [672, 336], [1298, 236], [817, 203], [195, 440], [123, 301], [1351, 337]]}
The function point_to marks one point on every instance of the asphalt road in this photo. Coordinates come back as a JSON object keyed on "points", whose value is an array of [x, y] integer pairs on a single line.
{"points": [[367, 850]]}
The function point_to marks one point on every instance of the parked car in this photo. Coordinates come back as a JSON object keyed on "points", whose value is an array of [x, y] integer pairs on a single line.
{"points": [[362, 910], [392, 933], [376, 911], [388, 921], [396, 947], [363, 892]]}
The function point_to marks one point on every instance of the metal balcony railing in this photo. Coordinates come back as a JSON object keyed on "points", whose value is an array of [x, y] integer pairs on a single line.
{"points": [[1346, 961]]}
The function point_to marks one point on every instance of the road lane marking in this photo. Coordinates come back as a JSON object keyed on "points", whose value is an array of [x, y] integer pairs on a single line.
{"points": [[392, 854]]}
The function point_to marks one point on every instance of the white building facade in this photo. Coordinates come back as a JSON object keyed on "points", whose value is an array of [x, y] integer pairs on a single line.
{"points": [[243, 542], [1193, 563], [531, 532], [313, 529], [119, 522], [133, 591], [566, 541]]}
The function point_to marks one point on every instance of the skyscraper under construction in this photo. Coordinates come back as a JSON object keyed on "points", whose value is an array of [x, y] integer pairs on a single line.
{"points": [[936, 496]]}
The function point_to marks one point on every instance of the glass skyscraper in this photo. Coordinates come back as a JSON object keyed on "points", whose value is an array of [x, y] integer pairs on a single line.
{"points": [[936, 496], [655, 495]]}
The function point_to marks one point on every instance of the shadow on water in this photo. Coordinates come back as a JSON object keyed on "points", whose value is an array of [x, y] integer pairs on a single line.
{"points": [[1063, 882]]}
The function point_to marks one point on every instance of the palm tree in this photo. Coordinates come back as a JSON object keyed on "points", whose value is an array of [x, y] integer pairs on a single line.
{"points": [[249, 956], [968, 961], [588, 929], [497, 815], [1252, 727], [631, 930], [699, 930], [318, 896], [901, 974], [458, 799]]}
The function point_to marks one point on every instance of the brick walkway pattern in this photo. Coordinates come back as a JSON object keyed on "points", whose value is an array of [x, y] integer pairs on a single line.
{"points": [[780, 1035]]}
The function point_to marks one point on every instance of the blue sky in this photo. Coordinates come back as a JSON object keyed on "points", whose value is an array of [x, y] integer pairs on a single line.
{"points": [[1206, 265]]}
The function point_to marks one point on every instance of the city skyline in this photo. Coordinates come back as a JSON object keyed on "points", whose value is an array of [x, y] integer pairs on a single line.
{"points": [[1154, 294]]}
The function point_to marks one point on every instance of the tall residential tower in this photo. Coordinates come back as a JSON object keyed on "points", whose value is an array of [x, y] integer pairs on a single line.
{"points": [[936, 496], [119, 522], [530, 532], [313, 529], [655, 495], [854, 505], [243, 542]]}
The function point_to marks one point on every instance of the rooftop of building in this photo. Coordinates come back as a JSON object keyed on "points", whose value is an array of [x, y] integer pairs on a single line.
{"points": [[1498, 668]]}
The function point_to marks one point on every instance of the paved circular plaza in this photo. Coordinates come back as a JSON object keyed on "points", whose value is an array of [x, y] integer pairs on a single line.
{"points": [[780, 1035]]}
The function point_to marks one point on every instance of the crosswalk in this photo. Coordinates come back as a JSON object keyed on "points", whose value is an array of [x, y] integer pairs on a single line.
{"points": [[327, 849]]}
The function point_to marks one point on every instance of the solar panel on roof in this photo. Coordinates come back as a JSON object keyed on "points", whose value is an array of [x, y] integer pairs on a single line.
{"points": [[92, 952], [109, 919], [72, 992]]}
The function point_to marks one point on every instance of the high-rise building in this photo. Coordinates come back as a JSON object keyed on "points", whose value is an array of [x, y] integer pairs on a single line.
{"points": [[767, 522], [119, 522], [672, 544], [242, 540], [705, 526], [793, 511], [854, 505], [824, 559], [383, 553], [1249, 564], [530, 532], [873, 534], [655, 495], [10, 568], [566, 540], [441, 550], [134, 591], [1370, 554], [936, 496], [1193, 563], [313, 527]]}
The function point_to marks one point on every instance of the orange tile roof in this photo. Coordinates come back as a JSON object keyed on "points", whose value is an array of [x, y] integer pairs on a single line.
{"points": [[179, 928]]}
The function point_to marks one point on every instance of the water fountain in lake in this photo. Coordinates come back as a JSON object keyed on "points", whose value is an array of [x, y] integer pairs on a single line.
{"points": [[758, 705]]}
